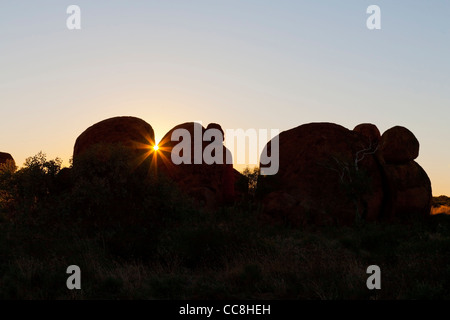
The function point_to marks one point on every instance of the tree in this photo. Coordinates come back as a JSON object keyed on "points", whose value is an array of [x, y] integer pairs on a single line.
{"points": [[24, 190], [355, 182], [252, 176]]}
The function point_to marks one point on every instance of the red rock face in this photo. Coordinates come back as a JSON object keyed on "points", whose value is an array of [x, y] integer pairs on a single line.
{"points": [[399, 145], [322, 178], [408, 191], [329, 174], [132, 133], [5, 157], [370, 132], [211, 184]]}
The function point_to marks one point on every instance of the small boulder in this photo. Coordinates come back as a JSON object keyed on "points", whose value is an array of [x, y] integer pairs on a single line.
{"points": [[398, 145], [370, 132]]}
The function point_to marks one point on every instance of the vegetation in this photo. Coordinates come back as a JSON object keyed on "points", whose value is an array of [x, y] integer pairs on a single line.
{"points": [[441, 201], [134, 236]]}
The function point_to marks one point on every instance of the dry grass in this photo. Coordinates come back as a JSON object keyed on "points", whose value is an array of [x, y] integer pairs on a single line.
{"points": [[283, 264]]}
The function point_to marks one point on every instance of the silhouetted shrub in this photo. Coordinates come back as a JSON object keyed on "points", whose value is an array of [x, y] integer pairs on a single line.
{"points": [[251, 176], [440, 201], [7, 171], [25, 192]]}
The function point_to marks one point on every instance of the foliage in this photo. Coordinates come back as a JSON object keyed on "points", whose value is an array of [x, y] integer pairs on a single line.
{"points": [[252, 179], [441, 201], [135, 236], [24, 191]]}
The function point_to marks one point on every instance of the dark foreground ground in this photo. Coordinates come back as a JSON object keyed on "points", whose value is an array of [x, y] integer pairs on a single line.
{"points": [[136, 240], [229, 256]]}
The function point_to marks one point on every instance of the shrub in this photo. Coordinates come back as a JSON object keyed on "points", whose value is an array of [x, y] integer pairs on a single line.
{"points": [[25, 191]]}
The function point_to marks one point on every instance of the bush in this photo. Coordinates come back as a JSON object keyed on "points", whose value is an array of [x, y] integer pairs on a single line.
{"points": [[440, 201], [24, 192]]}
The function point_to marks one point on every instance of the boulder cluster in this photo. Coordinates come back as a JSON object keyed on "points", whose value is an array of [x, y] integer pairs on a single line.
{"points": [[327, 174], [210, 185]]}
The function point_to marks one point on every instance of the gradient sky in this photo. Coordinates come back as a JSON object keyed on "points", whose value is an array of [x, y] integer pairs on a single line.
{"points": [[244, 64]]}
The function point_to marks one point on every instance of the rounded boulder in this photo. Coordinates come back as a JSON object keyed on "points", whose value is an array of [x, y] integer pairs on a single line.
{"points": [[370, 132], [324, 177], [134, 134], [398, 145]]}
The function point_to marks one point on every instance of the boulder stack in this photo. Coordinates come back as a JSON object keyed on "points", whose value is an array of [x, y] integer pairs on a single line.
{"points": [[210, 184], [407, 186], [331, 175], [318, 182]]}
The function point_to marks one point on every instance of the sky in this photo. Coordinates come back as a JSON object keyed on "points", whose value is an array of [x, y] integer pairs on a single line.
{"points": [[244, 64]]}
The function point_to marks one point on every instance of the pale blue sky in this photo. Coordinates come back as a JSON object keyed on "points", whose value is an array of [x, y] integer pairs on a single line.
{"points": [[243, 64]]}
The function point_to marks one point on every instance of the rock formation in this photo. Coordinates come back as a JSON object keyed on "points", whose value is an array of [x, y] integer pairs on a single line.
{"points": [[6, 157], [408, 191], [329, 174], [399, 145], [210, 184], [370, 133], [134, 134]]}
